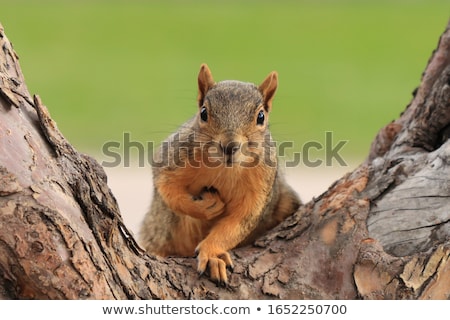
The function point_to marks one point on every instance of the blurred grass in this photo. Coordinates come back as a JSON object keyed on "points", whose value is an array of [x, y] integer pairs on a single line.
{"points": [[108, 67]]}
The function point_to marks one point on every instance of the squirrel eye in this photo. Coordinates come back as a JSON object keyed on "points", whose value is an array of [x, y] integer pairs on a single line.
{"points": [[204, 114], [260, 118]]}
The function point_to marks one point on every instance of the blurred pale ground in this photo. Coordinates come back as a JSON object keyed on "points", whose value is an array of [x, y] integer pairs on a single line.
{"points": [[106, 68]]}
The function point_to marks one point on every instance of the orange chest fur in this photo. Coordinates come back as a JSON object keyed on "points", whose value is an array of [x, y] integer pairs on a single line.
{"points": [[235, 185]]}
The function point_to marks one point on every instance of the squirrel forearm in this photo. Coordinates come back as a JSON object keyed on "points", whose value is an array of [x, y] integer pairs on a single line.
{"points": [[203, 206]]}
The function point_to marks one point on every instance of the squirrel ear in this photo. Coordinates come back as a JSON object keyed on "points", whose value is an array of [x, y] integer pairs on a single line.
{"points": [[268, 88], [205, 82]]}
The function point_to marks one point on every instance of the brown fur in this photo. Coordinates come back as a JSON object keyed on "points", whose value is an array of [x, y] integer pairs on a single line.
{"points": [[220, 186]]}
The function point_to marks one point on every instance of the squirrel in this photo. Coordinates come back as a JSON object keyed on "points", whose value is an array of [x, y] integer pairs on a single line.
{"points": [[216, 180]]}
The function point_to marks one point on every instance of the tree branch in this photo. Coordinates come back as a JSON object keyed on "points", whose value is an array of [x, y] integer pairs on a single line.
{"points": [[381, 231]]}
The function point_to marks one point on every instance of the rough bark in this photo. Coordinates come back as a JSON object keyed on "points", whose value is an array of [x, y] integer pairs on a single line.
{"points": [[380, 232]]}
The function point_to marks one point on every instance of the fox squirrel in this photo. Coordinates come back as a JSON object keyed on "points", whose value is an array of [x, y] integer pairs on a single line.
{"points": [[216, 181]]}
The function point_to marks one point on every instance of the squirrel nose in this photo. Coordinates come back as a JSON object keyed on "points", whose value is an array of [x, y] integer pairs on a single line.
{"points": [[230, 148]]}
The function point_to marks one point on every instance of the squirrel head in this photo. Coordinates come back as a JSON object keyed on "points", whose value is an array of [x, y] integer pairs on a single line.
{"points": [[233, 116]]}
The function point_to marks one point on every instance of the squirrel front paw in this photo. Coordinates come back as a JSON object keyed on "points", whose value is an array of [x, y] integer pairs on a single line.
{"points": [[209, 204], [216, 260]]}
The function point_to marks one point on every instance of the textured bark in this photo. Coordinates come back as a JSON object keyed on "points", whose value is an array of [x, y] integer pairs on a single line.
{"points": [[380, 232]]}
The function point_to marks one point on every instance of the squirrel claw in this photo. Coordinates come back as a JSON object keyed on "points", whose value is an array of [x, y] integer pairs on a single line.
{"points": [[221, 283], [207, 205], [211, 190], [216, 264]]}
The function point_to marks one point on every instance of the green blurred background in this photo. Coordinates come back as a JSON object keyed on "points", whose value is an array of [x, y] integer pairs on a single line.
{"points": [[108, 67]]}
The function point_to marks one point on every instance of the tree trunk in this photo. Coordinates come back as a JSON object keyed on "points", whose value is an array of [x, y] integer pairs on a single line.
{"points": [[380, 232]]}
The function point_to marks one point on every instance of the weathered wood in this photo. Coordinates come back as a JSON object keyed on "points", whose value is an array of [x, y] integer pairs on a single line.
{"points": [[412, 214], [61, 233], [380, 232]]}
